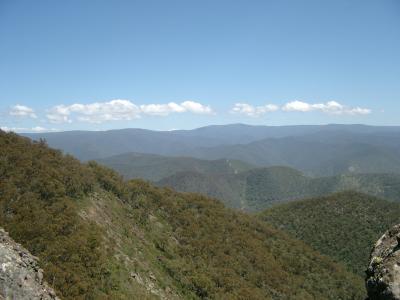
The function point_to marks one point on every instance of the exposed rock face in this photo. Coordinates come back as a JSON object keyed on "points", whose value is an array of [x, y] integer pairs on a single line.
{"points": [[383, 273], [20, 276]]}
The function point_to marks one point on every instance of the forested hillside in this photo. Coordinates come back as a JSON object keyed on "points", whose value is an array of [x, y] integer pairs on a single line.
{"points": [[99, 237], [156, 167], [343, 225], [260, 188]]}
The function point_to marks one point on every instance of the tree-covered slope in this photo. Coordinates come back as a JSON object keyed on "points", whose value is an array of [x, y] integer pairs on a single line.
{"points": [[269, 186], [343, 225], [260, 188], [99, 237], [155, 167], [251, 190], [228, 188]]}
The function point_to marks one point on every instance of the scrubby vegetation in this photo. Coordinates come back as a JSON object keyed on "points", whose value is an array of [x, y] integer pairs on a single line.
{"points": [[100, 237], [215, 252], [39, 197], [344, 226]]}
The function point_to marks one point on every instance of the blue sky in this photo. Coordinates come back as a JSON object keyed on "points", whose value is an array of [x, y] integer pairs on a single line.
{"points": [[183, 64]]}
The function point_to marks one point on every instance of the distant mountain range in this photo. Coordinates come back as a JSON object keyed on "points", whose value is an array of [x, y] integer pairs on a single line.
{"points": [[315, 150], [318, 154]]}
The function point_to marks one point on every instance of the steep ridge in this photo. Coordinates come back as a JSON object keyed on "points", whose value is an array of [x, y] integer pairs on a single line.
{"points": [[20, 276], [342, 226], [42, 194], [99, 237]]}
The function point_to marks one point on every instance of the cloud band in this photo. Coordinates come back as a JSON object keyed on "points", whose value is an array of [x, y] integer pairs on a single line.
{"points": [[120, 109]]}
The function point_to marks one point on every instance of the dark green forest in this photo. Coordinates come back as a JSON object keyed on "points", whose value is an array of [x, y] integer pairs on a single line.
{"points": [[344, 225]]}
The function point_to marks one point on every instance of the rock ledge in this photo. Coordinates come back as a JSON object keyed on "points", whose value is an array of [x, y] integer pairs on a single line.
{"points": [[20, 275], [383, 273]]}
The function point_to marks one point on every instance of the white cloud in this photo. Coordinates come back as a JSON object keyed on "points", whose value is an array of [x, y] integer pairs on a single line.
{"points": [[22, 111], [161, 109], [359, 111], [196, 108], [59, 114], [25, 129], [119, 109], [331, 107], [172, 107], [97, 112], [253, 111], [297, 106]]}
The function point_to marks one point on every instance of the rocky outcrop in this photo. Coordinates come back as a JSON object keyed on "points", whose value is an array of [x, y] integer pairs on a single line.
{"points": [[20, 275], [383, 273]]}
